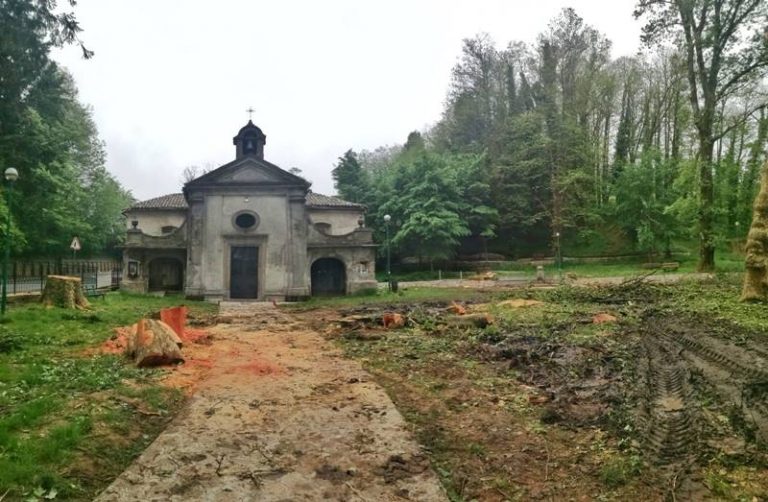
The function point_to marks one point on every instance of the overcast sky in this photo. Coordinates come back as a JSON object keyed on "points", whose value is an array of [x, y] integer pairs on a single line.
{"points": [[171, 79]]}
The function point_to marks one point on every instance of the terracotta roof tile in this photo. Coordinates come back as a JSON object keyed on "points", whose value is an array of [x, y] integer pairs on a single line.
{"points": [[320, 200], [177, 201], [170, 201]]}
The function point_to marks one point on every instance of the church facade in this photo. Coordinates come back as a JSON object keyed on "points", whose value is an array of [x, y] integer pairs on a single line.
{"points": [[248, 230]]}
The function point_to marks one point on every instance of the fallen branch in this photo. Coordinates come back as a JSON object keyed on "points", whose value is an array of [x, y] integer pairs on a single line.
{"points": [[635, 281]]}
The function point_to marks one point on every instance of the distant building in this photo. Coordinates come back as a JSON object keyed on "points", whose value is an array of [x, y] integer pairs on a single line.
{"points": [[248, 230]]}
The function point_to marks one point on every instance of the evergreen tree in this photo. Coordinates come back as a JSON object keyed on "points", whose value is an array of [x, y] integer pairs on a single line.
{"points": [[349, 178]]}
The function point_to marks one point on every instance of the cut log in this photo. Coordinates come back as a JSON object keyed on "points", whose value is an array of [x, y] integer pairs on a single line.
{"points": [[471, 320], [392, 320], [176, 318], [64, 291], [153, 343]]}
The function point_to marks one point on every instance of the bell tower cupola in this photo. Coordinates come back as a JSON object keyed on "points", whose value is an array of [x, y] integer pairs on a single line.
{"points": [[250, 141]]}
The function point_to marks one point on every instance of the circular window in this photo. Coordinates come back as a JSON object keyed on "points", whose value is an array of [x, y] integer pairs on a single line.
{"points": [[246, 221]]}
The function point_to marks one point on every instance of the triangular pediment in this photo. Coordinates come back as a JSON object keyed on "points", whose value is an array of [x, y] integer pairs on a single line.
{"points": [[249, 171]]}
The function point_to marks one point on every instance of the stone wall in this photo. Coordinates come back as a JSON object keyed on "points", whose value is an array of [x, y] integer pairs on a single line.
{"points": [[152, 222], [280, 235], [339, 221], [144, 256], [359, 263]]}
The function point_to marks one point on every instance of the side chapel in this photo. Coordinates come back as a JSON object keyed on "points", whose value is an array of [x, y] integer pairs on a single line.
{"points": [[248, 230]]}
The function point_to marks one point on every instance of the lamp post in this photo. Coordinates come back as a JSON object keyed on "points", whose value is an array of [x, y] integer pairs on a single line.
{"points": [[11, 175], [559, 257], [387, 219]]}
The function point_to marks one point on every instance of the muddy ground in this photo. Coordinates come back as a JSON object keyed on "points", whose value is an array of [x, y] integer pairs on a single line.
{"points": [[625, 392]]}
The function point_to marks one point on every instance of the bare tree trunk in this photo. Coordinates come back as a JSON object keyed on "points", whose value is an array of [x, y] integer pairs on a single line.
{"points": [[706, 207], [756, 277]]}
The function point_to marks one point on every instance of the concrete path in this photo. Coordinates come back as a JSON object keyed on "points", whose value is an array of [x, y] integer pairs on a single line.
{"points": [[281, 416]]}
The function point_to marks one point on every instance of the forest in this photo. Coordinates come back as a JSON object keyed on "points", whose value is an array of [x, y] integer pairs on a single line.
{"points": [[64, 188], [542, 143], [557, 143]]}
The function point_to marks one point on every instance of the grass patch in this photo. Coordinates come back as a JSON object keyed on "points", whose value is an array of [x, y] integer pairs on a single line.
{"points": [[65, 428], [725, 262], [620, 470]]}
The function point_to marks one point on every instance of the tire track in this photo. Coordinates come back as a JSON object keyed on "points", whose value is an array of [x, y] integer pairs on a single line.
{"points": [[667, 419], [716, 359], [744, 370]]}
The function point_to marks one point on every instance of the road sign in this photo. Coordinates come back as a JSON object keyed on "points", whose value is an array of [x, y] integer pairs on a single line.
{"points": [[75, 246]]}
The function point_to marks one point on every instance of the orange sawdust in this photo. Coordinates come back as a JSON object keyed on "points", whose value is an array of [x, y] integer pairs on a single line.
{"points": [[116, 344], [603, 317], [259, 367], [199, 360], [203, 363], [198, 336]]}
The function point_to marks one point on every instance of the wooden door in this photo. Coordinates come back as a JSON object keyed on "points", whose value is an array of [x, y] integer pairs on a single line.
{"points": [[244, 272]]}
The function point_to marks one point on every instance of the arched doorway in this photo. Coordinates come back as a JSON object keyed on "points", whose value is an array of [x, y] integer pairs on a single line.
{"points": [[166, 274], [329, 277]]}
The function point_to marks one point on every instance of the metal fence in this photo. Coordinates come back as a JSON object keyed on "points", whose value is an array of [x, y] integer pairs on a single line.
{"points": [[29, 276]]}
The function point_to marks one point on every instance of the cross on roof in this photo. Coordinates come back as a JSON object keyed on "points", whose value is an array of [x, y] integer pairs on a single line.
{"points": [[250, 111]]}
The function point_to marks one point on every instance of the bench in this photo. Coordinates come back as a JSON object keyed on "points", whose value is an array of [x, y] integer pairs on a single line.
{"points": [[91, 291]]}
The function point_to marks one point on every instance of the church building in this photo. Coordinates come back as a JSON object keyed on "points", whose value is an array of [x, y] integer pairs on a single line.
{"points": [[248, 230]]}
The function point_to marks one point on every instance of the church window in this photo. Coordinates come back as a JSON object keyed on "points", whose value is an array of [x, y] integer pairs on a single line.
{"points": [[245, 220]]}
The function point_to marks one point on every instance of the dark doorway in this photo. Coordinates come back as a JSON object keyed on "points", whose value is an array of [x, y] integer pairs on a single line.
{"points": [[328, 277], [244, 272], [166, 274]]}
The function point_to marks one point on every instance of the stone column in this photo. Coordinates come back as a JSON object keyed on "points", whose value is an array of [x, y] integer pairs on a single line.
{"points": [[194, 272]]}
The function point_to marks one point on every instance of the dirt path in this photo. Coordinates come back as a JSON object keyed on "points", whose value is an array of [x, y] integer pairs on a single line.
{"points": [[280, 416]]}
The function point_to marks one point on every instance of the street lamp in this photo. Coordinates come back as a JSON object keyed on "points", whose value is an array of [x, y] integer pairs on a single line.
{"points": [[387, 219], [11, 175]]}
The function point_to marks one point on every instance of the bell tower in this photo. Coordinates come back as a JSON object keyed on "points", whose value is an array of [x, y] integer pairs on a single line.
{"points": [[249, 141]]}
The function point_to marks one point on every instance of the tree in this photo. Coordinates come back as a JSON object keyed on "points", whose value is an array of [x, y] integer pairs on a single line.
{"points": [[756, 278], [725, 48], [63, 188], [349, 178], [64, 185], [194, 171], [29, 29], [643, 200], [427, 208]]}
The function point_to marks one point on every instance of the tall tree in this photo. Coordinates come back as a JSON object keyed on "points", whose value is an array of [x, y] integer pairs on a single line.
{"points": [[725, 48], [50, 137], [28, 31], [349, 178], [426, 207]]}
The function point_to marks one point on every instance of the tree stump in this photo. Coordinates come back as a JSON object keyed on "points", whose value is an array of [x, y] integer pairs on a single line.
{"points": [[756, 262], [470, 320], [64, 291], [153, 343]]}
